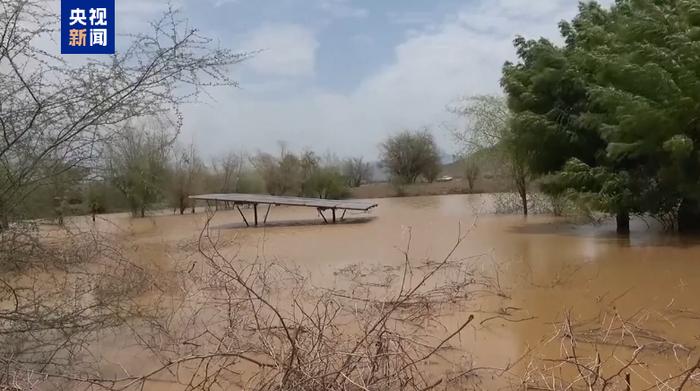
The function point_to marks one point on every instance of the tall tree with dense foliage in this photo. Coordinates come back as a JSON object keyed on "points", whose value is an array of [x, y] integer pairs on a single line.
{"points": [[614, 113], [410, 155]]}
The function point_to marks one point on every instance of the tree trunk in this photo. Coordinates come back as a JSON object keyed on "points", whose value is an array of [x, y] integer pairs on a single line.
{"points": [[143, 211], [520, 179], [689, 216], [521, 187], [523, 201], [623, 223]]}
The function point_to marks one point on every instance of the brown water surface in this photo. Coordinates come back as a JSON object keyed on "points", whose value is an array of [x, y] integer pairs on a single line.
{"points": [[545, 265]]}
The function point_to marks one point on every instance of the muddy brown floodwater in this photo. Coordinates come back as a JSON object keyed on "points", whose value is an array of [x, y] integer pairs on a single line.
{"points": [[546, 266]]}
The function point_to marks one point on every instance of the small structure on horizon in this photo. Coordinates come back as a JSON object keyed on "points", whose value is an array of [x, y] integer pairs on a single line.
{"points": [[322, 205]]}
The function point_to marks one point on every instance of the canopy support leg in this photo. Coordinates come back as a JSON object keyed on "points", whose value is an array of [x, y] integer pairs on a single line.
{"points": [[333, 215], [255, 211], [242, 215], [320, 211], [343, 216], [267, 213]]}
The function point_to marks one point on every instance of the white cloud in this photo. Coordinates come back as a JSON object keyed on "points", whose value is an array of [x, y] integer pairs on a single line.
{"points": [[428, 72], [342, 9], [287, 50], [462, 55], [410, 18], [509, 17], [437, 62], [136, 15], [219, 3]]}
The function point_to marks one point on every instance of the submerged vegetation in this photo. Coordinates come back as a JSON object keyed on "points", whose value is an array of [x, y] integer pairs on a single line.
{"points": [[143, 170]]}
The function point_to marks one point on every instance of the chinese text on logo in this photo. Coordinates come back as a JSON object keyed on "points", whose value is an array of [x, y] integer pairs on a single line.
{"points": [[87, 26]]}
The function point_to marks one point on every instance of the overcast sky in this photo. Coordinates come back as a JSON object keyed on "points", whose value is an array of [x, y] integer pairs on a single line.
{"points": [[341, 75]]}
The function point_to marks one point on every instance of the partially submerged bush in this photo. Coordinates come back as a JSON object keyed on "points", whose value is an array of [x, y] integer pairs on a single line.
{"points": [[540, 204]]}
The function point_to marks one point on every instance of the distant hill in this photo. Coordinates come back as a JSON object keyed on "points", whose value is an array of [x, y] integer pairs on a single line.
{"points": [[488, 163]]}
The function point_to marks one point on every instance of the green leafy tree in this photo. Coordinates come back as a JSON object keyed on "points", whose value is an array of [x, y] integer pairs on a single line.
{"points": [[301, 175], [410, 155], [327, 183], [282, 175], [621, 97]]}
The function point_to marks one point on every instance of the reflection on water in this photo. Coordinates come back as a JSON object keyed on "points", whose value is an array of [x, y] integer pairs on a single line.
{"points": [[546, 265]]}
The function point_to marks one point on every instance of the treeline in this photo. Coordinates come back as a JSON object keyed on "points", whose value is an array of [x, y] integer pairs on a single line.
{"points": [[141, 170]]}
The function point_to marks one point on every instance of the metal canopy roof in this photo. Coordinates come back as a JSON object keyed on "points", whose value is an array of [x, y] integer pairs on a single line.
{"points": [[284, 200]]}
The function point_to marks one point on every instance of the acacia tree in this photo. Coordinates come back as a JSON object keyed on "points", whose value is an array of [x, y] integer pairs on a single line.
{"points": [[301, 175], [410, 155], [283, 175], [357, 171], [186, 174], [229, 170], [137, 165], [488, 129]]}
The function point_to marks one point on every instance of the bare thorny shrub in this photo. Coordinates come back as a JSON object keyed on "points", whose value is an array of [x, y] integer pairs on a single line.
{"points": [[56, 115], [58, 294], [260, 325], [381, 327], [225, 322], [228, 323], [614, 352]]}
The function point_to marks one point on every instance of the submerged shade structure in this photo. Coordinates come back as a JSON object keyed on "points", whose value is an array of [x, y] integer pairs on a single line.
{"points": [[321, 205]]}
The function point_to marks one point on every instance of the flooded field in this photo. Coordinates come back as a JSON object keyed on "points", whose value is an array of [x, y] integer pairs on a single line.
{"points": [[543, 268]]}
